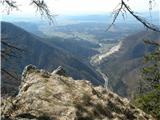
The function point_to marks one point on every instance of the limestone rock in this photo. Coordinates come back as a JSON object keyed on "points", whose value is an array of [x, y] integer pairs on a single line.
{"points": [[59, 71], [46, 96]]}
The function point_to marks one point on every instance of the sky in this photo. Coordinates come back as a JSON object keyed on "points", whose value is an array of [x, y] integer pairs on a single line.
{"points": [[77, 7]]}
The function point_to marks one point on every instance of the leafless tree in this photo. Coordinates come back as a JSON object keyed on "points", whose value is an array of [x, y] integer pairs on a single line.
{"points": [[40, 6]]}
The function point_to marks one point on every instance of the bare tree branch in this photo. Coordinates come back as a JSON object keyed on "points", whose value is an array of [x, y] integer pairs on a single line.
{"points": [[125, 8], [140, 19], [8, 73], [116, 14], [150, 42], [9, 5], [8, 51], [10, 46], [43, 9], [40, 6]]}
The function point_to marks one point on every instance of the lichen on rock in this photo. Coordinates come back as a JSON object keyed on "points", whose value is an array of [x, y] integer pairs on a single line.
{"points": [[46, 96], [28, 68]]}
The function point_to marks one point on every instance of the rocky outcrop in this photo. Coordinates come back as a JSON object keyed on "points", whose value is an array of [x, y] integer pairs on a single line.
{"points": [[59, 71], [46, 96]]}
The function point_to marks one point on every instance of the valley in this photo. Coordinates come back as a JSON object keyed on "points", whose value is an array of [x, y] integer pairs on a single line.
{"points": [[80, 60], [92, 46], [85, 47], [104, 52]]}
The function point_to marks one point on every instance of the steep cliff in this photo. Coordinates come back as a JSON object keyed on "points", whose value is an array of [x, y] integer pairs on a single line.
{"points": [[55, 96]]}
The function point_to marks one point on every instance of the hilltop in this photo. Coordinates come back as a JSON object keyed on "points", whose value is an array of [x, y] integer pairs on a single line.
{"points": [[54, 96]]}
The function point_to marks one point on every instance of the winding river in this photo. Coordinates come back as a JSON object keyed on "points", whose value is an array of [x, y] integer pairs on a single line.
{"points": [[99, 59]]}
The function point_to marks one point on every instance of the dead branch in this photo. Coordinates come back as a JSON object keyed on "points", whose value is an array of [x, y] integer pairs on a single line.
{"points": [[9, 5], [140, 19], [8, 51], [40, 6], [8, 73], [10, 46], [150, 42], [116, 14], [43, 9], [125, 8]]}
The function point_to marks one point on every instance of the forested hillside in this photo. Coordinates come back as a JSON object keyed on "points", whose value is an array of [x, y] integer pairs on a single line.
{"points": [[35, 51], [123, 67]]}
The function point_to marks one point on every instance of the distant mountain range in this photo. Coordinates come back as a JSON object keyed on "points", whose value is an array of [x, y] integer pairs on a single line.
{"points": [[98, 18], [123, 67], [42, 54]]}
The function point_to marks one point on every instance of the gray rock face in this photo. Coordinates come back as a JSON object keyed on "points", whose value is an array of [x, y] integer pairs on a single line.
{"points": [[26, 69], [48, 96], [59, 71]]}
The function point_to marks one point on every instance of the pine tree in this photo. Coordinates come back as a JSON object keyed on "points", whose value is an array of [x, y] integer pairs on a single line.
{"points": [[149, 99]]}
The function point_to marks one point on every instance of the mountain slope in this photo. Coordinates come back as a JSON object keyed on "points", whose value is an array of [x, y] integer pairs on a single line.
{"points": [[37, 52], [80, 48], [46, 96], [123, 67]]}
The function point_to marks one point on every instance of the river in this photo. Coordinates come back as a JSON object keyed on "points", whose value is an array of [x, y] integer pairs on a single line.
{"points": [[99, 59]]}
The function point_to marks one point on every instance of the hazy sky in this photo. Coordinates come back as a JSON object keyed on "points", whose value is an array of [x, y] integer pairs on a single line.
{"points": [[75, 7]]}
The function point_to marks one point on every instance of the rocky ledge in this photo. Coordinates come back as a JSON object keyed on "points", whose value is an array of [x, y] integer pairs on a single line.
{"points": [[53, 96]]}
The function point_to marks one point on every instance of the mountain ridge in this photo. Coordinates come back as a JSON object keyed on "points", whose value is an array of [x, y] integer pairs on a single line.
{"points": [[42, 55], [123, 67]]}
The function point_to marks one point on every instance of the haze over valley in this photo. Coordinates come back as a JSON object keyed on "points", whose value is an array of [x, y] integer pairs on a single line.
{"points": [[80, 60], [72, 41]]}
